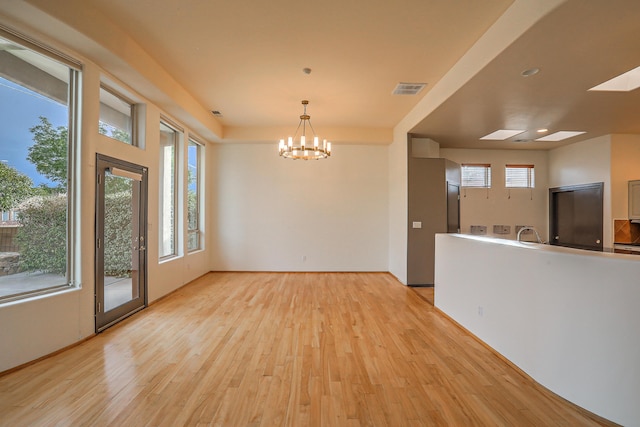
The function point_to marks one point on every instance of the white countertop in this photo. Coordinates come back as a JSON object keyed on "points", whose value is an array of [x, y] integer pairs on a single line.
{"points": [[547, 247]]}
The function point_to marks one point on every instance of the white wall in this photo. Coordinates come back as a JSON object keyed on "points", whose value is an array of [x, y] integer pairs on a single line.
{"points": [[581, 163], [566, 317], [398, 204], [272, 212], [499, 205], [584, 163]]}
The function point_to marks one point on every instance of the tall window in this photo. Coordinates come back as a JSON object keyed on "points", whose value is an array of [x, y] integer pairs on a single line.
{"points": [[476, 175], [169, 141], [194, 182], [38, 91], [116, 116], [519, 176]]}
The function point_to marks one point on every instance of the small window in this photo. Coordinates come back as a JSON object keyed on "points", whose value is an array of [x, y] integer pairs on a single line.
{"points": [[476, 175], [169, 141], [194, 182], [519, 176], [116, 117]]}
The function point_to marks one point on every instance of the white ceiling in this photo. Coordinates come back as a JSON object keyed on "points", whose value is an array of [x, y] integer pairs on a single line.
{"points": [[245, 59]]}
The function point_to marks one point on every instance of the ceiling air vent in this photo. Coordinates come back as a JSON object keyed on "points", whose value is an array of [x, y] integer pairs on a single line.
{"points": [[408, 88]]}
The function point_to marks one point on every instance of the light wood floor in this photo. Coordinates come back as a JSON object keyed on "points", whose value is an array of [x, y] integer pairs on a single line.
{"points": [[268, 349]]}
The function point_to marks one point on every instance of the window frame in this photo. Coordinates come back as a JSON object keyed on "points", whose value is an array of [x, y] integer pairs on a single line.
{"points": [[529, 180], [133, 117], [73, 217], [178, 136], [192, 141], [486, 181]]}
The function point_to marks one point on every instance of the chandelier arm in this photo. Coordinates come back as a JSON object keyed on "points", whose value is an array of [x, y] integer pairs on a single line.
{"points": [[312, 129], [297, 129]]}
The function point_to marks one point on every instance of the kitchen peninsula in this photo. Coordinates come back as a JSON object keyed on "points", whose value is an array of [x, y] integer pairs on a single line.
{"points": [[566, 317]]}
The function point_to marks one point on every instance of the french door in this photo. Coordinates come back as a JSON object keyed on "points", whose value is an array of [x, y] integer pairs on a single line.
{"points": [[121, 236]]}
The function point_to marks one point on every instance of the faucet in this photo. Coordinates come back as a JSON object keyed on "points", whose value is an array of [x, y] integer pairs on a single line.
{"points": [[529, 228]]}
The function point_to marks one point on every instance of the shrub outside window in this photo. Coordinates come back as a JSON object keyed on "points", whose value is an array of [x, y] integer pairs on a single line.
{"points": [[476, 175]]}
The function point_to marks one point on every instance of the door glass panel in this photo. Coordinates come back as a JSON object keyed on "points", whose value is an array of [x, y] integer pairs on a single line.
{"points": [[121, 240]]}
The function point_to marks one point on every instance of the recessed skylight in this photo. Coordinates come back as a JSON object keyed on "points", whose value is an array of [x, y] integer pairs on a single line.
{"points": [[623, 83], [502, 134], [559, 136]]}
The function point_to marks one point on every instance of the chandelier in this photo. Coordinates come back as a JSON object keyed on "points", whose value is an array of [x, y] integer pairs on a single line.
{"points": [[303, 150]]}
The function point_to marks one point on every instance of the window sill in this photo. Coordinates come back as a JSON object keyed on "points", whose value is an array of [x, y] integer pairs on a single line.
{"points": [[37, 295]]}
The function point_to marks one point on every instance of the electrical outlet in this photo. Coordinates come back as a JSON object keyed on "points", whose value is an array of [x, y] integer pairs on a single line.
{"points": [[480, 311], [501, 229], [479, 229]]}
